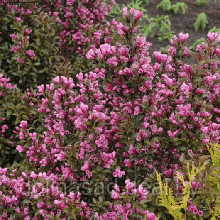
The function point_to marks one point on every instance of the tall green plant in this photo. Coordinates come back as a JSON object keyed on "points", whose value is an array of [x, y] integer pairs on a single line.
{"points": [[201, 21], [202, 2], [30, 57], [167, 6], [160, 22]]}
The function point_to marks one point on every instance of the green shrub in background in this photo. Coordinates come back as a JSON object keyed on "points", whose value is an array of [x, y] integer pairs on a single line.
{"points": [[30, 57], [201, 21], [202, 2], [160, 22], [30, 47], [167, 6]]}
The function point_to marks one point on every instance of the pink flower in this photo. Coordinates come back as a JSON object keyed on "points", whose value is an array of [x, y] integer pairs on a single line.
{"points": [[172, 50], [195, 211], [31, 54], [19, 60], [58, 19], [125, 12], [23, 124], [137, 15], [129, 185], [27, 31], [17, 210], [173, 134], [56, 14], [151, 216], [26, 210], [3, 171], [70, 2], [115, 195], [184, 110], [205, 140], [33, 175], [117, 188], [132, 150], [90, 54], [89, 173], [204, 129], [128, 163], [213, 36], [41, 89], [86, 166], [196, 185], [13, 36], [13, 49], [28, 12], [60, 156], [57, 202], [191, 152], [183, 37], [168, 173], [118, 173], [200, 213], [217, 51], [18, 19], [149, 166], [142, 192]]}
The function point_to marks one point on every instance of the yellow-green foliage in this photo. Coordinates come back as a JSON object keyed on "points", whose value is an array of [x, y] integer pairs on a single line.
{"points": [[215, 152], [168, 200], [216, 214]]}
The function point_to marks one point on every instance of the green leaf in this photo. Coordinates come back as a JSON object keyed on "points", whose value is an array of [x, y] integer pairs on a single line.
{"points": [[9, 112], [183, 149], [37, 64], [100, 199], [17, 121], [106, 203], [25, 117], [144, 201], [50, 216], [26, 201]]}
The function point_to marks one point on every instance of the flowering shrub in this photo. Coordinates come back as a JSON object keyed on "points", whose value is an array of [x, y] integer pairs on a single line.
{"points": [[32, 55], [147, 119]]}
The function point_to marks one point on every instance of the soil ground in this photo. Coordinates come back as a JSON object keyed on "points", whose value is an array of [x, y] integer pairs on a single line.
{"points": [[179, 22]]}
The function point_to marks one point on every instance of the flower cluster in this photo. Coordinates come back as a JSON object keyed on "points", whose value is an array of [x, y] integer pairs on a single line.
{"points": [[193, 208], [31, 54]]}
